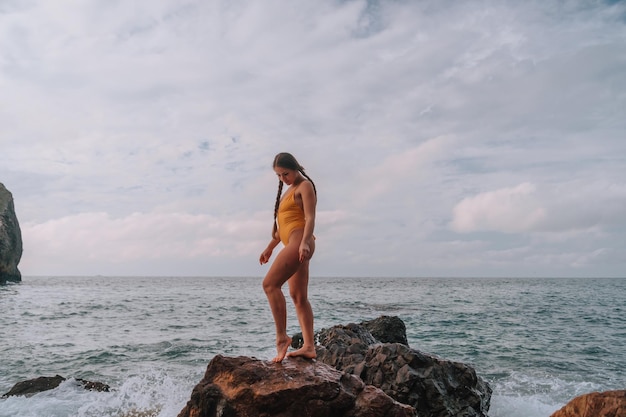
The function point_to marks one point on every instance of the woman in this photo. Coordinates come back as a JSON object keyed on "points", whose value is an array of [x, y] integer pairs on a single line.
{"points": [[294, 221]]}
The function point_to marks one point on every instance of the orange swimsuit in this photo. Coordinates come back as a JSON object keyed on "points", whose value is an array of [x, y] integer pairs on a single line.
{"points": [[290, 217]]}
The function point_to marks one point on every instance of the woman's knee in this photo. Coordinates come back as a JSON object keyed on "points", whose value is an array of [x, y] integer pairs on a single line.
{"points": [[299, 297], [270, 286]]}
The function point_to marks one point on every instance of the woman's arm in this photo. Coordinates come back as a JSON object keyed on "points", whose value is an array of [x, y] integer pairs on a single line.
{"points": [[267, 253], [309, 201]]}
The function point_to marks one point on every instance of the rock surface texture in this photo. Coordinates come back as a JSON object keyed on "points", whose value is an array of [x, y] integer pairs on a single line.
{"points": [[10, 239], [247, 387], [595, 404], [355, 374], [433, 386]]}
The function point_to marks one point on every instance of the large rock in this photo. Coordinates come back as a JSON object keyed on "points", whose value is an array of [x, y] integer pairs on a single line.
{"points": [[247, 387], [595, 404], [10, 239], [435, 387]]}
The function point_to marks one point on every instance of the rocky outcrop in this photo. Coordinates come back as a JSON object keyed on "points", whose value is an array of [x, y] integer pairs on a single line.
{"points": [[435, 387], [45, 383], [595, 404], [243, 387], [10, 239], [355, 374]]}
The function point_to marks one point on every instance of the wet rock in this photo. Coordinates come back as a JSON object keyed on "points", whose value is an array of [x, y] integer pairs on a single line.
{"points": [[10, 239], [435, 387], [33, 386], [94, 385], [243, 386], [45, 383], [595, 404]]}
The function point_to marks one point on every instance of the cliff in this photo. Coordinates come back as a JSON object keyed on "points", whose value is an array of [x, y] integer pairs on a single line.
{"points": [[10, 239]]}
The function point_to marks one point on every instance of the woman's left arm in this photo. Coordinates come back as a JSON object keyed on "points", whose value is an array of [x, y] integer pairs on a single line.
{"points": [[309, 201]]}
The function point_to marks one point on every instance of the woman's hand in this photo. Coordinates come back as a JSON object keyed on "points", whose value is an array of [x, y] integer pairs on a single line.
{"points": [[266, 255], [304, 252]]}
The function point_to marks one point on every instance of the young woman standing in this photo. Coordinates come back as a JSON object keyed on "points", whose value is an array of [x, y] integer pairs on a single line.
{"points": [[294, 221]]}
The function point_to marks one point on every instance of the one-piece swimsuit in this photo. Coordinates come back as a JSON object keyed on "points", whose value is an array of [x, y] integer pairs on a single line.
{"points": [[290, 216]]}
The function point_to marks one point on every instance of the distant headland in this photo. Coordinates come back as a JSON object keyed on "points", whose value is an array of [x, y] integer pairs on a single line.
{"points": [[10, 239]]}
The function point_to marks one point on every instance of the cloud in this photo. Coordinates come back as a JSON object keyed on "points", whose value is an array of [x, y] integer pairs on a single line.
{"points": [[444, 137], [396, 175], [508, 210], [86, 240], [564, 209]]}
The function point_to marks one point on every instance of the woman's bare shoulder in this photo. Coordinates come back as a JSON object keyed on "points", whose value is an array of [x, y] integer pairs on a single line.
{"points": [[305, 187]]}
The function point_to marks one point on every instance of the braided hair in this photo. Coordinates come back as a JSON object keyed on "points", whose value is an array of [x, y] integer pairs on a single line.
{"points": [[286, 160]]}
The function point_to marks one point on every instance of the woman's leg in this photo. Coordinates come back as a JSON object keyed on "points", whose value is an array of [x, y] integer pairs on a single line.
{"points": [[298, 289], [283, 267]]}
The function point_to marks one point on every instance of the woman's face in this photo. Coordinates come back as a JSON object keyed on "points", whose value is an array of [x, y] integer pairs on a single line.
{"points": [[288, 176]]}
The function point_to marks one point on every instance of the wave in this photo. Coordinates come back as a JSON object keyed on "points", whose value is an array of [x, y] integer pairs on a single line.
{"points": [[153, 394]]}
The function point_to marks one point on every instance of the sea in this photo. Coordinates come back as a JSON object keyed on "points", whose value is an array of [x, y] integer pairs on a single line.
{"points": [[537, 342]]}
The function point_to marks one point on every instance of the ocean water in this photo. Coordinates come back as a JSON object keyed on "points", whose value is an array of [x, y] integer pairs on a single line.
{"points": [[538, 342]]}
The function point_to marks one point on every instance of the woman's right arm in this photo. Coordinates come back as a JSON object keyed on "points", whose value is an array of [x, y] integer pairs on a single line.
{"points": [[267, 253]]}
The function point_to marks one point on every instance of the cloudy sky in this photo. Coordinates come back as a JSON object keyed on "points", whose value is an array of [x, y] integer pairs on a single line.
{"points": [[445, 138]]}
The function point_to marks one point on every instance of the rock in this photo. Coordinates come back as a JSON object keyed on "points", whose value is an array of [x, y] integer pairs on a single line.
{"points": [[595, 404], [10, 239], [243, 387], [433, 386], [387, 329], [33, 386], [45, 383], [93, 386]]}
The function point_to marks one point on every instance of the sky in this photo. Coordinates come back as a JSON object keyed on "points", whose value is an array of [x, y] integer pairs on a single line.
{"points": [[445, 138]]}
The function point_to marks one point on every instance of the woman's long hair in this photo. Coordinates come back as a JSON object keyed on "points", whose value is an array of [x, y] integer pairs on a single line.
{"points": [[286, 160]]}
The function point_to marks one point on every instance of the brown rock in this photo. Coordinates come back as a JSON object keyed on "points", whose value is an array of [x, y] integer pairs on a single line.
{"points": [[595, 404], [247, 387]]}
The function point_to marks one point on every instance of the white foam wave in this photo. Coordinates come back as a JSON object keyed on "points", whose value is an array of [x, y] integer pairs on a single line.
{"points": [[523, 395], [521, 406], [154, 394]]}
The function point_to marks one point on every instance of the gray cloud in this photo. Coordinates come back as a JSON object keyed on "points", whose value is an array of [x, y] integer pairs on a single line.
{"points": [[445, 138]]}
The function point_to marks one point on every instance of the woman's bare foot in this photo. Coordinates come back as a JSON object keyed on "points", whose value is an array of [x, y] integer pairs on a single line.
{"points": [[304, 352], [281, 348]]}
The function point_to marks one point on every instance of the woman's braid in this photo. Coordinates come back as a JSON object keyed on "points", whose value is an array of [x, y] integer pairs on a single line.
{"points": [[280, 191]]}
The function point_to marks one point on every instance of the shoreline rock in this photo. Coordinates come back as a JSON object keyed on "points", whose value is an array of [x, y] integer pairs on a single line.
{"points": [[244, 386], [355, 374], [435, 387], [45, 383], [596, 404], [10, 239]]}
